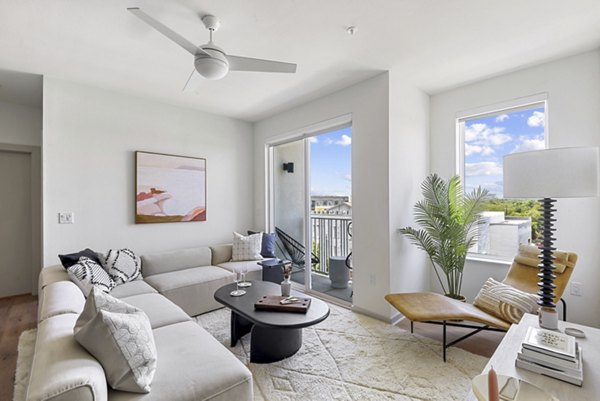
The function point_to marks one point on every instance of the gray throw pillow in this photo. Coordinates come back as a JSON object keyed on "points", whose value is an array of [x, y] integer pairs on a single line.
{"points": [[119, 336], [88, 274], [122, 265]]}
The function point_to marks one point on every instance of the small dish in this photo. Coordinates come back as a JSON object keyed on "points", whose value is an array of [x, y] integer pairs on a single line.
{"points": [[574, 332]]}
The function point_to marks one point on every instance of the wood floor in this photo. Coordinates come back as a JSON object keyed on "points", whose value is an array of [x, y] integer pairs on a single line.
{"points": [[17, 314]]}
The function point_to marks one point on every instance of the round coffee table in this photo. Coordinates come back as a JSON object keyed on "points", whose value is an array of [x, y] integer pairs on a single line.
{"points": [[274, 335]]}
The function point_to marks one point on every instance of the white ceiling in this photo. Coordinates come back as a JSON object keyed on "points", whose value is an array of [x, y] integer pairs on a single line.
{"points": [[436, 44]]}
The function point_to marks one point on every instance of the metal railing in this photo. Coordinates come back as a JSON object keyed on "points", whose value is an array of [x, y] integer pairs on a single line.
{"points": [[330, 237]]}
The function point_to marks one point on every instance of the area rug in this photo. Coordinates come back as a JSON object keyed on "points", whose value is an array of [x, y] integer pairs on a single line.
{"points": [[349, 357]]}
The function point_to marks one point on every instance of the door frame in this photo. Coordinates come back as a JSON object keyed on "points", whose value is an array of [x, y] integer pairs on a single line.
{"points": [[292, 136], [36, 206]]}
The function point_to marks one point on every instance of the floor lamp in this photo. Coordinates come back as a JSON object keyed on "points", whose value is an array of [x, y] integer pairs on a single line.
{"points": [[547, 175]]}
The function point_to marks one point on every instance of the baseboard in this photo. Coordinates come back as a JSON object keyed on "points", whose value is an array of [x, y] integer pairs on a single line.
{"points": [[375, 315]]}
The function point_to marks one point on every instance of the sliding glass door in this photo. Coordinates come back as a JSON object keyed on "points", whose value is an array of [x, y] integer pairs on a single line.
{"points": [[311, 204]]}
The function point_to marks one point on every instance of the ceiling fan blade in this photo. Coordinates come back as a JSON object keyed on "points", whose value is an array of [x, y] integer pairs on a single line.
{"points": [[237, 63], [168, 32], [193, 82]]}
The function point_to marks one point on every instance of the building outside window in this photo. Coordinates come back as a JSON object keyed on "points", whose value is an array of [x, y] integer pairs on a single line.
{"points": [[484, 138]]}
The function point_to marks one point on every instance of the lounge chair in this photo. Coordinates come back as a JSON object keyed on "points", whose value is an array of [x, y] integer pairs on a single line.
{"points": [[428, 307]]}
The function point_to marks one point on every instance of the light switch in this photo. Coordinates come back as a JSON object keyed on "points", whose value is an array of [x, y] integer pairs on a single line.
{"points": [[66, 218]]}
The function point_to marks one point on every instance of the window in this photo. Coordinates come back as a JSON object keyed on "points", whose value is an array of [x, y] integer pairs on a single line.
{"points": [[484, 139]]}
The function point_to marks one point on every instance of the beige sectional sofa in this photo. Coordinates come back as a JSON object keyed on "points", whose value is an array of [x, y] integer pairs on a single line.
{"points": [[192, 365]]}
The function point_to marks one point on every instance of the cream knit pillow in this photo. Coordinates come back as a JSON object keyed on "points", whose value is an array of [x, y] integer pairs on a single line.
{"points": [[505, 301], [246, 247]]}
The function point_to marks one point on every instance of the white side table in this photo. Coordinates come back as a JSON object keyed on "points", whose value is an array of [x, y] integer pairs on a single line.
{"points": [[503, 361]]}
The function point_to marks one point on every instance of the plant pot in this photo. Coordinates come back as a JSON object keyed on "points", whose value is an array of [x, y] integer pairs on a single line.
{"points": [[460, 298]]}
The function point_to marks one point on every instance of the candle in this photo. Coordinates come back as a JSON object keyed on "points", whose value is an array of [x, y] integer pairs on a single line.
{"points": [[493, 394]]}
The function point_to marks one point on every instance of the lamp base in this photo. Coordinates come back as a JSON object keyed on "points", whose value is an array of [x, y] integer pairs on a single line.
{"points": [[548, 318]]}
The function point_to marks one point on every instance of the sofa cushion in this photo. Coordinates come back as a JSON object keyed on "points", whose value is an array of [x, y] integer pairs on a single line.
{"points": [[193, 366], [159, 309], [120, 337], [220, 254], [61, 369], [132, 288], [170, 261], [70, 259], [253, 269], [192, 289], [267, 247], [88, 274], [59, 298], [123, 265], [246, 247]]}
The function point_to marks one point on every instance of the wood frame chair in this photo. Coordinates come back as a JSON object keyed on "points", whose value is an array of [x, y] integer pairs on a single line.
{"points": [[428, 307]]}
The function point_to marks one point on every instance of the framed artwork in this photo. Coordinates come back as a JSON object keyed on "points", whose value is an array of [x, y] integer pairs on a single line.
{"points": [[169, 188]]}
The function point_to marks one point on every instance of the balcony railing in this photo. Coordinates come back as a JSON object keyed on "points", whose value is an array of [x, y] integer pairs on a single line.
{"points": [[331, 236]]}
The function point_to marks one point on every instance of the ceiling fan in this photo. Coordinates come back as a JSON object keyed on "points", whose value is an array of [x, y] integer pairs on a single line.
{"points": [[210, 61]]}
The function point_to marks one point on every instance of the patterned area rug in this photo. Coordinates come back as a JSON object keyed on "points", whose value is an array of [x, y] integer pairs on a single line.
{"points": [[347, 357]]}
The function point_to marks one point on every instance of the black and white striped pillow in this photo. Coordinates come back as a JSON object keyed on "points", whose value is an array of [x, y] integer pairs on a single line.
{"points": [[122, 265], [88, 274]]}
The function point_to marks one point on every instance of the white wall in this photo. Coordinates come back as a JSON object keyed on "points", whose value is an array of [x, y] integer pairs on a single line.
{"points": [[372, 197], [20, 124], [89, 140], [573, 88], [409, 165]]}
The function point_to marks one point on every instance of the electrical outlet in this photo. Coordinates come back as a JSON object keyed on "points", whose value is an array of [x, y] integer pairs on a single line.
{"points": [[66, 218], [576, 289]]}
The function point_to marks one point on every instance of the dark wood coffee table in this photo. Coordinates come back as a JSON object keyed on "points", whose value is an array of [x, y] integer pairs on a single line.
{"points": [[274, 335]]}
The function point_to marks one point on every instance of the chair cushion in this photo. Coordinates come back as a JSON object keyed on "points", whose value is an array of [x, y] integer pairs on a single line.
{"points": [[120, 337], [505, 301], [192, 289], [159, 309], [132, 288], [170, 261], [193, 366]]}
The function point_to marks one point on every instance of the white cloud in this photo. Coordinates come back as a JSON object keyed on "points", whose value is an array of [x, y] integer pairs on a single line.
{"points": [[344, 141], [487, 151], [471, 149], [526, 144], [482, 168], [481, 134], [537, 119], [313, 139], [502, 117], [347, 177]]}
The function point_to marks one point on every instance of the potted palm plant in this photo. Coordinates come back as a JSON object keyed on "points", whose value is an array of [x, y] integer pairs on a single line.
{"points": [[448, 220]]}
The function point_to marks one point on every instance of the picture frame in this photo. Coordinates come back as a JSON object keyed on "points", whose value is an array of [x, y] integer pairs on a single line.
{"points": [[169, 188]]}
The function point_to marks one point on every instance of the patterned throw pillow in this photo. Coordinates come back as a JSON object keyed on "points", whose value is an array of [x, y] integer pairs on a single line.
{"points": [[505, 301], [246, 248], [120, 337], [88, 274], [122, 265]]}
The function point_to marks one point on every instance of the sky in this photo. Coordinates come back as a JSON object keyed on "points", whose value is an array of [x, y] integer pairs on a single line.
{"points": [[331, 163], [488, 139]]}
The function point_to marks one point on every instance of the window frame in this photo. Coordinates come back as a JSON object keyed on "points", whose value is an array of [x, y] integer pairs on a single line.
{"points": [[510, 106]]}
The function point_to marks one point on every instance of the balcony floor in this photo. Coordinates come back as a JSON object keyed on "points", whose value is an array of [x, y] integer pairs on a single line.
{"points": [[322, 284]]}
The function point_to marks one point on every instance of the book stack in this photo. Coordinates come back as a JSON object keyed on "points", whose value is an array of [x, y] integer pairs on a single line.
{"points": [[553, 354]]}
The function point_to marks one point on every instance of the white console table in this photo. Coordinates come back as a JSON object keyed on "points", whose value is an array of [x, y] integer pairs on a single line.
{"points": [[503, 362]]}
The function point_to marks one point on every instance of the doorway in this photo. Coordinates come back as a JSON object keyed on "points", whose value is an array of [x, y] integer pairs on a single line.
{"points": [[20, 219], [311, 204]]}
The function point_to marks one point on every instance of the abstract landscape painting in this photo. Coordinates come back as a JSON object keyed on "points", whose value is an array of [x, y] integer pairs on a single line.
{"points": [[169, 188]]}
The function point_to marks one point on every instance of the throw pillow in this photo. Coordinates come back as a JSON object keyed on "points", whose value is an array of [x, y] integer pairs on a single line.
{"points": [[119, 336], [70, 259], [246, 248], [122, 265], [88, 274], [267, 248], [504, 301]]}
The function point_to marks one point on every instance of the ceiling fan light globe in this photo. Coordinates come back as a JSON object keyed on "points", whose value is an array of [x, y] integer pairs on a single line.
{"points": [[211, 68]]}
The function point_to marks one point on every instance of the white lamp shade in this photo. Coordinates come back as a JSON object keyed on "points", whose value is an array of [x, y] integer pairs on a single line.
{"points": [[552, 173]]}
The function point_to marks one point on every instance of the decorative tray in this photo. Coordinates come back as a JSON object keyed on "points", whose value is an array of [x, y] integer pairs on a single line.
{"points": [[273, 303]]}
